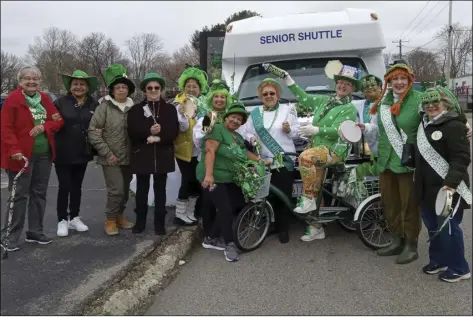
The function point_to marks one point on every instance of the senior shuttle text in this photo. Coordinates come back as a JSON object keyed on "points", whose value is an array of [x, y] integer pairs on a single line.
{"points": [[301, 36]]}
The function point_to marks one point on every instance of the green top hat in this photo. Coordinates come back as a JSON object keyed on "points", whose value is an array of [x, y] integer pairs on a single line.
{"points": [[116, 74], [193, 73], [370, 81], [271, 81], [350, 74], [237, 107], [152, 77], [92, 81]]}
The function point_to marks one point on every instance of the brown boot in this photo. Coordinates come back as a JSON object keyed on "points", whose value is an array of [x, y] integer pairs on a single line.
{"points": [[111, 227], [123, 223], [408, 254], [395, 248]]}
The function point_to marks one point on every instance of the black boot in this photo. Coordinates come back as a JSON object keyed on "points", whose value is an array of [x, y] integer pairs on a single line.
{"points": [[395, 248], [140, 224], [408, 254], [283, 237], [159, 219]]}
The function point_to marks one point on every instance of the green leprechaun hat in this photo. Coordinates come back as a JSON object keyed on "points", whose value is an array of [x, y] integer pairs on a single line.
{"points": [[92, 81], [350, 74], [152, 77], [116, 74], [237, 107]]}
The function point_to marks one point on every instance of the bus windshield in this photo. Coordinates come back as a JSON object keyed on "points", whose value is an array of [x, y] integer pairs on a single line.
{"points": [[309, 74]]}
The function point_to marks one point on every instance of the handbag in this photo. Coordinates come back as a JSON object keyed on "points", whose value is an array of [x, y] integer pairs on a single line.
{"points": [[408, 151]]}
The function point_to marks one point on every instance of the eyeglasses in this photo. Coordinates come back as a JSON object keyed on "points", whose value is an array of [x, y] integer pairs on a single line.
{"points": [[272, 93], [30, 79], [150, 88]]}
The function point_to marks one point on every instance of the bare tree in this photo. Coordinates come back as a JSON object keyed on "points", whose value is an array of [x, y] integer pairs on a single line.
{"points": [[175, 65], [424, 64], [10, 65], [54, 53], [462, 47], [96, 52], [389, 57], [145, 52]]}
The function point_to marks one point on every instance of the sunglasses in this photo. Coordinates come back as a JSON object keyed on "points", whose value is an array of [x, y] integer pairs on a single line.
{"points": [[266, 94], [150, 88]]}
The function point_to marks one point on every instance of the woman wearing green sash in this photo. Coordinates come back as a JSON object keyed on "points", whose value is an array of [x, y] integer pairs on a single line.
{"points": [[442, 160], [222, 150], [274, 126]]}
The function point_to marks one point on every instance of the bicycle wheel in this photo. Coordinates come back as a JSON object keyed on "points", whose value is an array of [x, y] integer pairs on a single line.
{"points": [[253, 218], [372, 227]]}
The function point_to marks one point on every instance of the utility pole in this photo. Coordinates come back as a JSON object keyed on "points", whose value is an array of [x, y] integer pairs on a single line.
{"points": [[449, 49], [400, 46]]}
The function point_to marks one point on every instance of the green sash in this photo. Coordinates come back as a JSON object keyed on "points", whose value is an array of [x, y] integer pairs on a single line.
{"points": [[268, 140]]}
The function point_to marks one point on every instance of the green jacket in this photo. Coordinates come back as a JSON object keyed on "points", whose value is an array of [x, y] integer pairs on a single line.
{"points": [[408, 120], [328, 124], [113, 137]]}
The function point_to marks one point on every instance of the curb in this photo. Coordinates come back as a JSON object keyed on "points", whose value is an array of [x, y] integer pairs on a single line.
{"points": [[136, 289]]}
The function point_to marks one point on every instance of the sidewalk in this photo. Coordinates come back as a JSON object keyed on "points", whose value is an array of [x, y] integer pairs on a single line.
{"points": [[59, 278]]}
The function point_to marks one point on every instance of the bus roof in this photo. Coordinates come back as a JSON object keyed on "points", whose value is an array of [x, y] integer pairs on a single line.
{"points": [[302, 34]]}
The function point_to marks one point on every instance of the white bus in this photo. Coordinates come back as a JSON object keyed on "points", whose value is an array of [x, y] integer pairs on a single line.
{"points": [[301, 44]]}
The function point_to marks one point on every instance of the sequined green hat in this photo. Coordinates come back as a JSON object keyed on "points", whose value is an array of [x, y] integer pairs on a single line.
{"points": [[193, 73], [218, 87]]}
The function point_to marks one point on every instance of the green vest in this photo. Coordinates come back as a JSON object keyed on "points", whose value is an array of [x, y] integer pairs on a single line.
{"points": [[408, 120]]}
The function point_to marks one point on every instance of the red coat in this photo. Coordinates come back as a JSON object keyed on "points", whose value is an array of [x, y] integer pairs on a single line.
{"points": [[17, 122]]}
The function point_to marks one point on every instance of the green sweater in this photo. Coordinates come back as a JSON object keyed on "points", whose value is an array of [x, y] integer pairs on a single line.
{"points": [[328, 124], [228, 152]]}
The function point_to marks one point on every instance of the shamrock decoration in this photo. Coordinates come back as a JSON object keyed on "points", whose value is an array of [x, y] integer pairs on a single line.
{"points": [[249, 177]]}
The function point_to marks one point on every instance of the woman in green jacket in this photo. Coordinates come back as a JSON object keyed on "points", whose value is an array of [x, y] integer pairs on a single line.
{"points": [[327, 148]]}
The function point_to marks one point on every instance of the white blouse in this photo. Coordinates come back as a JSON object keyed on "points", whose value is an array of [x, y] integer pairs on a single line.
{"points": [[273, 121]]}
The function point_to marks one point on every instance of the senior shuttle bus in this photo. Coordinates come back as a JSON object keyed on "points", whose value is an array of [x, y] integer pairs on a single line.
{"points": [[301, 44]]}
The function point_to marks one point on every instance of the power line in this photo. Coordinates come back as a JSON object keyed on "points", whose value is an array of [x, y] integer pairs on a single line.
{"points": [[400, 46], [415, 18], [430, 21], [438, 2]]}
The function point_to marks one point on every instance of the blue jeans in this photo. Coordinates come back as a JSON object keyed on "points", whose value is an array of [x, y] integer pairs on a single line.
{"points": [[447, 248]]}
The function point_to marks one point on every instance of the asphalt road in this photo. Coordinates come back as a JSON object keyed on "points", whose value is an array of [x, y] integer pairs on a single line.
{"points": [[335, 276], [52, 279]]}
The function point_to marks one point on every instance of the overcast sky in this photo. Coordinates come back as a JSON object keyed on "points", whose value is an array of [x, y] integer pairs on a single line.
{"points": [[175, 21]]}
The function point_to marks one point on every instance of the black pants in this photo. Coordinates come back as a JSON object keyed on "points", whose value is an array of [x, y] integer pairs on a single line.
{"points": [[70, 178], [283, 180], [227, 199], [190, 187], [142, 189]]}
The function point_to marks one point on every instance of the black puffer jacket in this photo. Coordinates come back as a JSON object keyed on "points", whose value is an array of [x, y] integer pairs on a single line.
{"points": [[454, 146], [71, 141]]}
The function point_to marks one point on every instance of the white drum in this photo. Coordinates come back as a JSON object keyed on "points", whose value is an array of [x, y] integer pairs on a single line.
{"points": [[443, 204], [349, 132]]}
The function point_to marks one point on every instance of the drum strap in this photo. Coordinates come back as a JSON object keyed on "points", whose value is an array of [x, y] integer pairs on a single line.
{"points": [[396, 138], [268, 140], [438, 163]]}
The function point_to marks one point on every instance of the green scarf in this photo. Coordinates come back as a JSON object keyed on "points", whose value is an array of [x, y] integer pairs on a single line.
{"points": [[41, 143], [333, 102], [276, 106], [34, 102], [220, 115]]}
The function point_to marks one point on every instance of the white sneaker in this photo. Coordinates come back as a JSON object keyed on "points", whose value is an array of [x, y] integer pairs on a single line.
{"points": [[78, 225], [312, 233], [305, 205], [62, 229]]}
